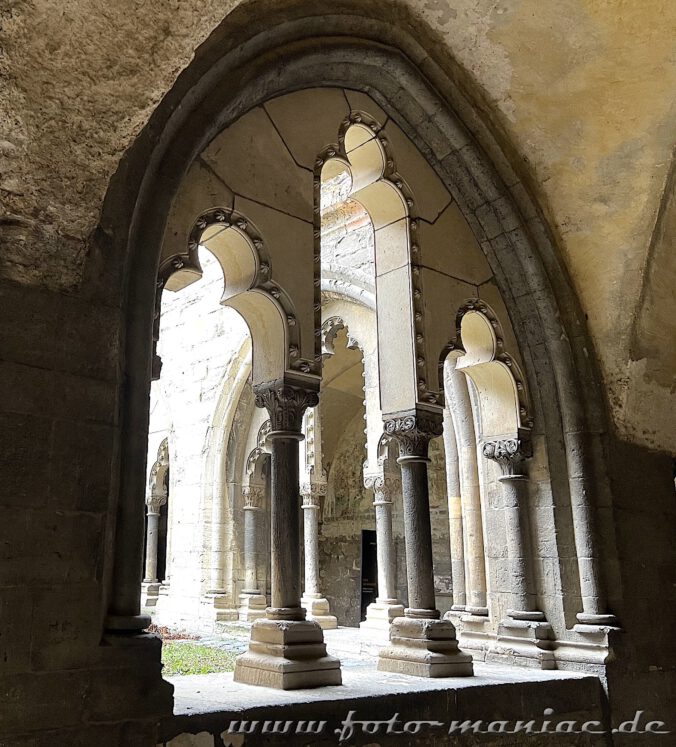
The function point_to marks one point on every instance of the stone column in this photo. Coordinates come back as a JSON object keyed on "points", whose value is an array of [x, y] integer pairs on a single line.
{"points": [[150, 588], [315, 604], [252, 603], [460, 407], [286, 651], [387, 607], [524, 632], [455, 533], [422, 644]]}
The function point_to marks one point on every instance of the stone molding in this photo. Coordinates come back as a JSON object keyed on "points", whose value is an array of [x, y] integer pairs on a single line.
{"points": [[413, 431]]}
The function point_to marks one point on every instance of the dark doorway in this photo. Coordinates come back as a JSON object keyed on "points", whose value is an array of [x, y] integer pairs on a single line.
{"points": [[369, 570]]}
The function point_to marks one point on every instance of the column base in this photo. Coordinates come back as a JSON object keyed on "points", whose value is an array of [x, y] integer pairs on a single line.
{"points": [[379, 616], [217, 607], [318, 609], [150, 592], [424, 648], [287, 655], [607, 621], [524, 642], [252, 607], [126, 623], [471, 632]]}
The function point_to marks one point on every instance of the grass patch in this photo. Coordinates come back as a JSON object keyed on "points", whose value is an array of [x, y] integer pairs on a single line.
{"points": [[181, 657]]}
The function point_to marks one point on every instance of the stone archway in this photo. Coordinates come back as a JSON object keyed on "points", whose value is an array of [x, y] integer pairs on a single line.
{"points": [[518, 250]]}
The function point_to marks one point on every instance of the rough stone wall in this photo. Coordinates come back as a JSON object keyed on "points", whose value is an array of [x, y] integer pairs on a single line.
{"points": [[592, 123]]}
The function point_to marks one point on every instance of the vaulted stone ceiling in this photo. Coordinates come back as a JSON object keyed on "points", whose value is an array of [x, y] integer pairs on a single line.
{"points": [[581, 91]]}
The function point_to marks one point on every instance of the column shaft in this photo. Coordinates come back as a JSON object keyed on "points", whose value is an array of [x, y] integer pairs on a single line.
{"points": [[385, 551], [284, 525], [311, 544], [513, 493], [151, 547], [418, 530], [455, 528], [250, 550]]}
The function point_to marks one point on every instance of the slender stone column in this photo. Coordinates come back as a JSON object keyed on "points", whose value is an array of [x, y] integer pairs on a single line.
{"points": [[387, 607], [509, 454], [422, 644], [315, 604], [286, 651], [525, 632], [151, 546], [252, 603], [456, 538], [150, 588], [463, 421]]}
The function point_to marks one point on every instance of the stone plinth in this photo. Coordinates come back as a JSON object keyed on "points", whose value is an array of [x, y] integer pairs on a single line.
{"points": [[379, 616], [424, 648], [525, 643], [251, 606], [150, 592], [287, 655], [318, 609]]}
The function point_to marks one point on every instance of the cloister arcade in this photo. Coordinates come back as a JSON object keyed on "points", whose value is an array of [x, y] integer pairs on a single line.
{"points": [[411, 384]]}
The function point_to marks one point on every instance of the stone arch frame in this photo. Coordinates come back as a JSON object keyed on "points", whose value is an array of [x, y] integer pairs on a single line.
{"points": [[434, 112]]}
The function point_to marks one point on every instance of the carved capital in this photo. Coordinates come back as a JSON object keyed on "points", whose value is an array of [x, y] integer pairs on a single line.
{"points": [[509, 453], [285, 405], [312, 492], [253, 496], [155, 501], [385, 487], [413, 432]]}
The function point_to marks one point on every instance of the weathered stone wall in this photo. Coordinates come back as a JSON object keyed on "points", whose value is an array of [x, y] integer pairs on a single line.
{"points": [[78, 92]]}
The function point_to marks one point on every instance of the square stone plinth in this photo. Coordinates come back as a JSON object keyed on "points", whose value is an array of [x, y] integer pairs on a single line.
{"points": [[287, 655], [424, 648]]}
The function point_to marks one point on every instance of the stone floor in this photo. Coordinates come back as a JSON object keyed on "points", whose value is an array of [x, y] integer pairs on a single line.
{"points": [[211, 710]]}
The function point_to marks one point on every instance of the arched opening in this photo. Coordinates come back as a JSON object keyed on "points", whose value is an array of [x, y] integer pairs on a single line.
{"points": [[435, 217]]}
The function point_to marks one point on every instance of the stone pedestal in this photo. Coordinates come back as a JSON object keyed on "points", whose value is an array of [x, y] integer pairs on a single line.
{"points": [[286, 651], [527, 643], [379, 616], [252, 606], [318, 609], [421, 644], [150, 593], [287, 655], [424, 648]]}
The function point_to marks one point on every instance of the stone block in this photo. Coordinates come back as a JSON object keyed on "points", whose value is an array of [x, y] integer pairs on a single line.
{"points": [[25, 442], [16, 611], [287, 655], [81, 465], [65, 626], [32, 547], [424, 648]]}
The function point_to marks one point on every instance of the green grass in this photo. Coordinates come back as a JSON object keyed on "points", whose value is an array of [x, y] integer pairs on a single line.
{"points": [[180, 657]]}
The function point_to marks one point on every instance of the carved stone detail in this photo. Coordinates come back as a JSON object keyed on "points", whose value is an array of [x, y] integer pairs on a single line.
{"points": [[413, 431], [253, 497], [285, 405], [385, 487], [509, 453], [311, 493]]}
